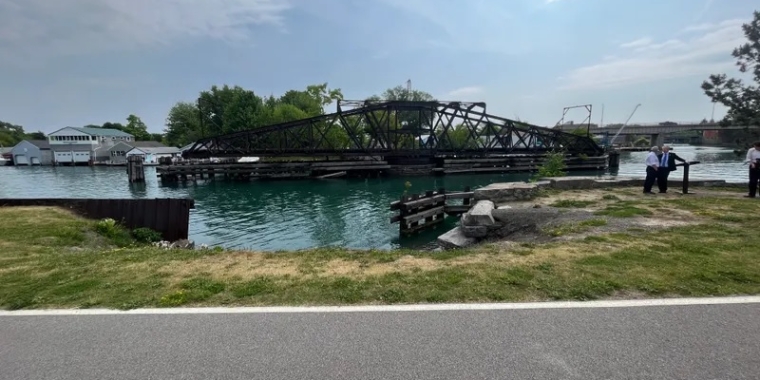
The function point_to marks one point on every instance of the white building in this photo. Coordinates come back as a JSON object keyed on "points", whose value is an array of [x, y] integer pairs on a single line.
{"points": [[151, 155], [73, 145]]}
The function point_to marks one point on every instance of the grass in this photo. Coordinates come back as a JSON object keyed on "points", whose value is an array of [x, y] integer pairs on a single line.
{"points": [[51, 258], [572, 203]]}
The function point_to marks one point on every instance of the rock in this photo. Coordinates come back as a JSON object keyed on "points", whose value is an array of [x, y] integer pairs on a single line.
{"points": [[477, 232], [479, 215], [504, 207], [507, 192], [536, 205], [455, 239], [183, 244]]}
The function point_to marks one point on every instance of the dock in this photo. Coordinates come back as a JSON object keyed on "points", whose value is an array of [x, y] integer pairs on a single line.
{"points": [[367, 168]]}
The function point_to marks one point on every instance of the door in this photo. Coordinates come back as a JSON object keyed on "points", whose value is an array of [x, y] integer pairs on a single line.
{"points": [[36, 161], [62, 157], [81, 157], [20, 159]]}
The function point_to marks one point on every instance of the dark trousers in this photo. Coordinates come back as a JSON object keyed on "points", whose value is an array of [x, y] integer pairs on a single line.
{"points": [[649, 181], [662, 179], [754, 176]]}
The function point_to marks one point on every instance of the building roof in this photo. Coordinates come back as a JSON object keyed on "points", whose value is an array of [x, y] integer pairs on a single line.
{"points": [[159, 150], [102, 132], [146, 144], [42, 144], [5, 149]]}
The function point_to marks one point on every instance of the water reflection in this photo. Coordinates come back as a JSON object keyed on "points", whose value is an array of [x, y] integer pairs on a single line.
{"points": [[302, 214]]}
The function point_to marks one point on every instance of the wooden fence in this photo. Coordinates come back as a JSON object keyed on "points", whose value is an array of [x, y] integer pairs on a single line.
{"points": [[420, 211], [170, 216]]}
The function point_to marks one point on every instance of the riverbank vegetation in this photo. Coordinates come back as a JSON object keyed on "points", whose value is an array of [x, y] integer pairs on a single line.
{"points": [[742, 100], [635, 246]]}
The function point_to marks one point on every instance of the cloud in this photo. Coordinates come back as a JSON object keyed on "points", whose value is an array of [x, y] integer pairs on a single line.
{"points": [[645, 60], [637, 43], [466, 91], [41, 29]]}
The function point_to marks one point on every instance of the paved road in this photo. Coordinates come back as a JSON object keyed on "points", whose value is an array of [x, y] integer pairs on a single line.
{"points": [[654, 342]]}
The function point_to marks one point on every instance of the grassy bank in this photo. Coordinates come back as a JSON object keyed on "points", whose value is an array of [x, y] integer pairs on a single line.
{"points": [[700, 245]]}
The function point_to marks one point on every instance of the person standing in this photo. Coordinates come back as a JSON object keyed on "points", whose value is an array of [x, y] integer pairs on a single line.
{"points": [[652, 164], [753, 157], [667, 164]]}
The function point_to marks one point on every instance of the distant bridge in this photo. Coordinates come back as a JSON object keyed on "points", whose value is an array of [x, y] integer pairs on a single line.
{"points": [[648, 129]]}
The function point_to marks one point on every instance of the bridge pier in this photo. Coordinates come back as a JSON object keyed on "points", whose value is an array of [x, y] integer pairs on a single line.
{"points": [[656, 139]]}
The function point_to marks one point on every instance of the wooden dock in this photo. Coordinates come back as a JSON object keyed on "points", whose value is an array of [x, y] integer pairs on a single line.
{"points": [[515, 164], [272, 170], [421, 211], [368, 168]]}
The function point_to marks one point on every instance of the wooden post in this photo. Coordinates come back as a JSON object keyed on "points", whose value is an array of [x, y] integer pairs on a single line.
{"points": [[135, 169]]}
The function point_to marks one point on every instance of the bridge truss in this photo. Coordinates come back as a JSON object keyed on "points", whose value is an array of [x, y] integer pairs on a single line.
{"points": [[398, 129]]}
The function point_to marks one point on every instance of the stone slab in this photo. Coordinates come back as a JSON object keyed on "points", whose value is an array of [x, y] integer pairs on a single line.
{"points": [[477, 232], [479, 215], [455, 239]]}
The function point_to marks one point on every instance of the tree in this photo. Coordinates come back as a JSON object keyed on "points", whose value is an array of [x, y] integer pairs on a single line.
{"points": [[12, 134], [226, 109], [137, 128], [182, 124], [742, 100]]}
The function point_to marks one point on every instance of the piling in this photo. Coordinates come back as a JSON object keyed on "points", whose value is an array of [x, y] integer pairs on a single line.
{"points": [[135, 169]]}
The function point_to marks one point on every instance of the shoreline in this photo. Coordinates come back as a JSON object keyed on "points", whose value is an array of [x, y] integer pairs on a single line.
{"points": [[648, 247]]}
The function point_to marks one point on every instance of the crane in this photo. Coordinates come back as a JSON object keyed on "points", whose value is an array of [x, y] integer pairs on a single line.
{"points": [[624, 124]]}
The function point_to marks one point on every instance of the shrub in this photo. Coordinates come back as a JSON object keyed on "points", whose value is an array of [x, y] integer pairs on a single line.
{"points": [[553, 166], [107, 227], [146, 235]]}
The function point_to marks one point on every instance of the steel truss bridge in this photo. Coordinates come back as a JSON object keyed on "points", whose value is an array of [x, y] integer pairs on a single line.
{"points": [[402, 129]]}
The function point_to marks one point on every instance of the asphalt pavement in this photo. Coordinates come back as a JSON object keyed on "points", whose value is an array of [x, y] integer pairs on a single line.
{"points": [[653, 342]]}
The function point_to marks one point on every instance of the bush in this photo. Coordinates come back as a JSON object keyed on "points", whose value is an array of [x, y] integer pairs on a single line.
{"points": [[146, 235], [553, 166], [107, 227]]}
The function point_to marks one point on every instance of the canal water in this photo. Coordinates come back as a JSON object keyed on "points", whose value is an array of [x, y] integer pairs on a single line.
{"points": [[290, 215]]}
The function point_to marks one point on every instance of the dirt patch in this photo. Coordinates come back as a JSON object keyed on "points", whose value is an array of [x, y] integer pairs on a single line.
{"points": [[233, 265]]}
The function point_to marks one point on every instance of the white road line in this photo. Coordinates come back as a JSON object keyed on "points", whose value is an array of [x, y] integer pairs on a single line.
{"points": [[397, 308]]}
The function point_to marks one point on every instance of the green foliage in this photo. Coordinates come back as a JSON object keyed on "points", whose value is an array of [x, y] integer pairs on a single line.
{"points": [[228, 109], [743, 101], [106, 227], [137, 128], [553, 166], [146, 235], [11, 134]]}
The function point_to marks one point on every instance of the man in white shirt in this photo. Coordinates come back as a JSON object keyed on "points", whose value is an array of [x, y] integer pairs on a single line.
{"points": [[753, 158], [652, 165]]}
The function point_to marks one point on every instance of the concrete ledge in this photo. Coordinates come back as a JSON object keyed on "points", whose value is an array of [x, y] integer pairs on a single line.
{"points": [[507, 192]]}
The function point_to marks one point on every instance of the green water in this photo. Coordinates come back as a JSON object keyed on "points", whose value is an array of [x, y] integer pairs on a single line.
{"points": [[287, 215]]}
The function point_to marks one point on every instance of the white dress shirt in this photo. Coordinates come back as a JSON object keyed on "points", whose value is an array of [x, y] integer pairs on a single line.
{"points": [[652, 160], [752, 156]]}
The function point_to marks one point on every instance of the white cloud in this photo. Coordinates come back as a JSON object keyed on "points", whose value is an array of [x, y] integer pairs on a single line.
{"points": [[637, 43], [466, 91], [645, 60], [39, 29]]}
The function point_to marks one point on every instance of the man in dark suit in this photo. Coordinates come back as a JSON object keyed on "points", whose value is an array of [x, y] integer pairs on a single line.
{"points": [[667, 164]]}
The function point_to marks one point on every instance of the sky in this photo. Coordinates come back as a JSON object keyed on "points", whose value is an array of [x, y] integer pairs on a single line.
{"points": [[78, 62]]}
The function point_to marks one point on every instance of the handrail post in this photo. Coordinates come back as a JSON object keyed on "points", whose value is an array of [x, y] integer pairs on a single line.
{"points": [[685, 178]]}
